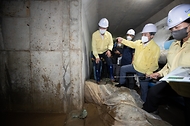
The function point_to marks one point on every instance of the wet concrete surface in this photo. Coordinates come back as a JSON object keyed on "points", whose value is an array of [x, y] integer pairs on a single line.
{"points": [[32, 119], [52, 119], [171, 113]]}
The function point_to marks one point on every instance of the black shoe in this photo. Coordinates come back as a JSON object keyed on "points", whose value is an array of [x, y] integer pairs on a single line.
{"points": [[118, 85]]}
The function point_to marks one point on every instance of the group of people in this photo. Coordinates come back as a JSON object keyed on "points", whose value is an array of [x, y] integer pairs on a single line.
{"points": [[122, 55], [139, 57], [144, 61]]}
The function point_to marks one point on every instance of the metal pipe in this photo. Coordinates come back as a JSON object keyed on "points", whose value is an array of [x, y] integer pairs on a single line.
{"points": [[128, 76], [134, 76]]}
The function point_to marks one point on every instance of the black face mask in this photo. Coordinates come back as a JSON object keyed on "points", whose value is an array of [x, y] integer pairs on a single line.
{"points": [[180, 34]]}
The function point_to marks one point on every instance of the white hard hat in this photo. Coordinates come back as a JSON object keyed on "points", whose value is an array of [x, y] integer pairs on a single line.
{"points": [[149, 28], [103, 23], [178, 14], [131, 32]]}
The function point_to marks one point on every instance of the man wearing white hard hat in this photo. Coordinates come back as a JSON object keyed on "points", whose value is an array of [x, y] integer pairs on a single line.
{"points": [[130, 34], [102, 44], [178, 55], [145, 59], [127, 52]]}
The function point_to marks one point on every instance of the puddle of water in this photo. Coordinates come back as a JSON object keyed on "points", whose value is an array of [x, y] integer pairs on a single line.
{"points": [[33, 119]]}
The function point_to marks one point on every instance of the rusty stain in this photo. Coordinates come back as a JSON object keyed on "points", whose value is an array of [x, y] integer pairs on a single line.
{"points": [[46, 80], [58, 87], [27, 11]]}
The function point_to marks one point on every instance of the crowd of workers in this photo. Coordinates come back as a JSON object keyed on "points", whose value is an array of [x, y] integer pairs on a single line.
{"points": [[140, 57]]}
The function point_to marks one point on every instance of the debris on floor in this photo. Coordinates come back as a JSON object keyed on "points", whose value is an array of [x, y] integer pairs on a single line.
{"points": [[119, 106]]}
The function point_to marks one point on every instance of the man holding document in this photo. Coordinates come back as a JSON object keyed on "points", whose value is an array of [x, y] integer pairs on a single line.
{"points": [[178, 56]]}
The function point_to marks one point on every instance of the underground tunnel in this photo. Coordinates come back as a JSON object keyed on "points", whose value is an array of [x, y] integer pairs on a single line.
{"points": [[45, 59]]}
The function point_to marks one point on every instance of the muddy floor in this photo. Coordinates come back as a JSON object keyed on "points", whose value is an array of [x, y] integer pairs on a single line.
{"points": [[171, 113], [48, 119]]}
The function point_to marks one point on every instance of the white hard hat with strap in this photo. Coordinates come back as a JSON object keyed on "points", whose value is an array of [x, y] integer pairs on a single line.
{"points": [[178, 14]]}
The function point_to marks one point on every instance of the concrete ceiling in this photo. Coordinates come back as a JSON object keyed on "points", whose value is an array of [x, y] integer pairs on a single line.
{"points": [[126, 14]]}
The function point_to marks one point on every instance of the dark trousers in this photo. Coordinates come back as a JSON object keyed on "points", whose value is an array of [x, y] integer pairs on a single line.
{"points": [[116, 70], [187, 111], [98, 66], [143, 83], [162, 90], [107, 59]]}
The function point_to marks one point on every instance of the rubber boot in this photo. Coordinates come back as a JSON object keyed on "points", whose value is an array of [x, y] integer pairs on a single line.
{"points": [[98, 72], [111, 72], [94, 70]]}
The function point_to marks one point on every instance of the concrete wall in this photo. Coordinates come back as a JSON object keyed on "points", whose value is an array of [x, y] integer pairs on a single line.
{"points": [[89, 25], [90, 15], [43, 52]]}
